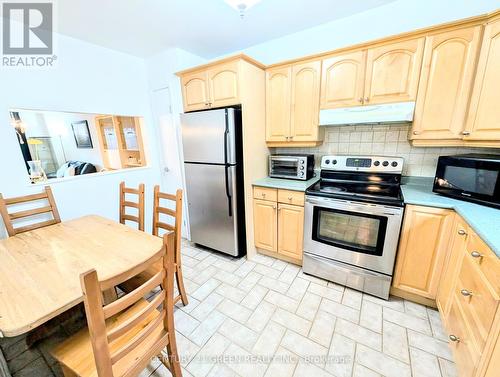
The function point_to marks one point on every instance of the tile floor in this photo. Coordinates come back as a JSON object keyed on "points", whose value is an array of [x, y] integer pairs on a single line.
{"points": [[266, 318]]}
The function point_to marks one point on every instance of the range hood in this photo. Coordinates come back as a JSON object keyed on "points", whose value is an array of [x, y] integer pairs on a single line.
{"points": [[401, 112]]}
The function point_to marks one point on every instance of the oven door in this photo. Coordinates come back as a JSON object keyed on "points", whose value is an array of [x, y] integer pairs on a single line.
{"points": [[361, 234], [284, 167]]}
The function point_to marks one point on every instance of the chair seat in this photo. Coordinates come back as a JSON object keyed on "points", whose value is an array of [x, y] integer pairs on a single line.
{"points": [[76, 352], [138, 280]]}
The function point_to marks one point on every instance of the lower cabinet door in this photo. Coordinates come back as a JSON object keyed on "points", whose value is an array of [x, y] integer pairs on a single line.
{"points": [[291, 230], [422, 250], [265, 224]]}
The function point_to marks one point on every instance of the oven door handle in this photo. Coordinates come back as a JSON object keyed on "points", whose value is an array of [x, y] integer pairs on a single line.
{"points": [[349, 206]]}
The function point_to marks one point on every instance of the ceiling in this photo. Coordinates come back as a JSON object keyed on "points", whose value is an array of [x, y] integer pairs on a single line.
{"points": [[208, 28]]}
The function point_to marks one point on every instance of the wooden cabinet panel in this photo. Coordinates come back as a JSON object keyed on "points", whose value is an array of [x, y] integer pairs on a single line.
{"points": [[265, 224], [223, 84], [296, 198], [445, 84], [342, 80], [483, 122], [465, 353], [393, 71], [478, 302], [265, 193], [195, 91], [278, 96], [290, 230], [422, 250], [452, 266], [304, 120]]}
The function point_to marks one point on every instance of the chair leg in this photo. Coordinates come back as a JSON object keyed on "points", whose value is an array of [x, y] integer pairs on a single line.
{"points": [[180, 285], [173, 357]]}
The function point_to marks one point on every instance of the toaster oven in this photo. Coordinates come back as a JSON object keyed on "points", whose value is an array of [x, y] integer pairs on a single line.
{"points": [[291, 166]]}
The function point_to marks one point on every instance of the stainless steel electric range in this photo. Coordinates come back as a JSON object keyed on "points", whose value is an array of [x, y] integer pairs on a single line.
{"points": [[353, 219]]}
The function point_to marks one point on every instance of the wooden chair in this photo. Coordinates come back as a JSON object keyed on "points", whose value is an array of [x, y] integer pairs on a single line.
{"points": [[123, 337], [139, 205], [176, 213], [9, 218]]}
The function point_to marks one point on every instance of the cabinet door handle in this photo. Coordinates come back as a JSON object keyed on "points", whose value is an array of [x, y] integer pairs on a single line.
{"points": [[415, 132], [274, 207], [454, 338], [367, 99], [466, 293], [466, 133], [462, 232], [476, 254], [360, 99]]}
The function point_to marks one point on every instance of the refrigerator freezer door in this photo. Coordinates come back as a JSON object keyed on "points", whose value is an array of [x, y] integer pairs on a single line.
{"points": [[211, 191], [208, 136]]}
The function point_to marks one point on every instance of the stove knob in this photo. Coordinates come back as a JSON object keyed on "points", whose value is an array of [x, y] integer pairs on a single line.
{"points": [[301, 168], [334, 162], [376, 163], [394, 164], [385, 163], [327, 162]]}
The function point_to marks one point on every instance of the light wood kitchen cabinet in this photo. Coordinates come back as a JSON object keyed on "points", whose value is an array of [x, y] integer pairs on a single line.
{"points": [[343, 79], [290, 230], [422, 250], [266, 224], [278, 100], [451, 266], [445, 84], [279, 223], [483, 122], [393, 72], [292, 105], [223, 84], [304, 120], [195, 91], [217, 84]]}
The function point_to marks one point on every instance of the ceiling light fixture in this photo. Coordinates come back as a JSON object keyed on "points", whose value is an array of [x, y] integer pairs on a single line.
{"points": [[242, 5]]}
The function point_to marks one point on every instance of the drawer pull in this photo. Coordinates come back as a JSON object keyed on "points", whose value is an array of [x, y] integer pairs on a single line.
{"points": [[462, 232], [476, 254], [263, 195], [454, 338], [290, 198], [466, 293]]}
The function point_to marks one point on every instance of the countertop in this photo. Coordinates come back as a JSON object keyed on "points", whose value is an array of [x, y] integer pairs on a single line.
{"points": [[285, 184], [485, 221]]}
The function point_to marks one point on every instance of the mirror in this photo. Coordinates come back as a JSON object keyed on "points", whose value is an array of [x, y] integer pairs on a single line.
{"points": [[62, 144]]}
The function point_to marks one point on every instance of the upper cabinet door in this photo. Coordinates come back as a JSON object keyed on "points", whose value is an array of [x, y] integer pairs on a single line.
{"points": [[483, 121], [342, 80], [195, 91], [445, 84], [305, 101], [278, 87], [393, 71], [223, 84]]}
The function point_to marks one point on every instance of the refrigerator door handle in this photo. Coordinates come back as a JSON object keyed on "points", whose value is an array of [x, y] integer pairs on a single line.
{"points": [[229, 189]]}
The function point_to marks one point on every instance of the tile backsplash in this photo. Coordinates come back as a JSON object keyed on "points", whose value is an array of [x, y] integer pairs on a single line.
{"points": [[385, 140]]}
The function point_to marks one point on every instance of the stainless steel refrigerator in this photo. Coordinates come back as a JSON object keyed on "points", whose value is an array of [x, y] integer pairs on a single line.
{"points": [[213, 166]]}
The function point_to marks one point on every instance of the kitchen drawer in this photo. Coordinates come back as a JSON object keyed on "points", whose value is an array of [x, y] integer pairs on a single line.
{"points": [[477, 300], [465, 353], [291, 197], [481, 255], [265, 193]]}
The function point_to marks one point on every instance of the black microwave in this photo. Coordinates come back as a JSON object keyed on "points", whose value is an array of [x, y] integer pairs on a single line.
{"points": [[471, 177]]}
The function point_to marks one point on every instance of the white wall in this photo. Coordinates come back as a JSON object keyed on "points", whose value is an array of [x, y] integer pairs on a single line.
{"points": [[166, 100], [88, 79], [393, 18]]}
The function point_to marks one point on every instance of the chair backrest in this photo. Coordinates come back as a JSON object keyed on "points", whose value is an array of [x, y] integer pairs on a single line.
{"points": [[176, 213], [139, 205], [129, 345], [10, 218]]}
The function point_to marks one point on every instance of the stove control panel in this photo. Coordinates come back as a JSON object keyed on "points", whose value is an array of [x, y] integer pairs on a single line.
{"points": [[383, 164]]}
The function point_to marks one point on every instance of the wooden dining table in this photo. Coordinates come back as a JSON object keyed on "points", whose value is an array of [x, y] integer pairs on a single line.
{"points": [[40, 269]]}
